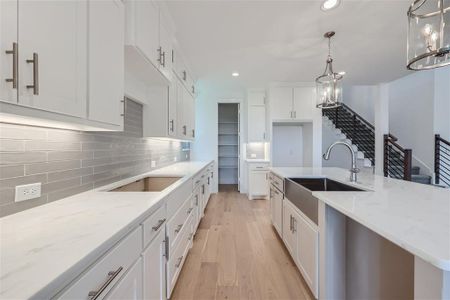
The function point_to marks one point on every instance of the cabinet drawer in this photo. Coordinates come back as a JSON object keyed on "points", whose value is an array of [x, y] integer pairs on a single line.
{"points": [[153, 224], [277, 181], [178, 256], [177, 197], [177, 223], [197, 180], [108, 270]]}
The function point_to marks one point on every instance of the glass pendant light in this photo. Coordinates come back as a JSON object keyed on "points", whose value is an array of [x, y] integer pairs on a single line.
{"points": [[428, 34], [329, 90]]}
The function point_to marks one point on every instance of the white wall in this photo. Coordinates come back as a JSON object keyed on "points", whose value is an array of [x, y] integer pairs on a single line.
{"points": [[205, 146], [411, 113], [442, 102], [361, 98]]}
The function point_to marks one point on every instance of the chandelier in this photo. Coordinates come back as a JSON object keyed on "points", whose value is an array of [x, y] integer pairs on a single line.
{"points": [[328, 85], [428, 34]]}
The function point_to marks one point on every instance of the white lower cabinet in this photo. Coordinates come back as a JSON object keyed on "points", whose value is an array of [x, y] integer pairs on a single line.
{"points": [[308, 252], [276, 209], [289, 232], [301, 238], [131, 285], [147, 262], [154, 260]]}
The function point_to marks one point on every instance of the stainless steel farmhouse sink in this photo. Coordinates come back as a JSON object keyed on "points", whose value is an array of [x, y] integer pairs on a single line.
{"points": [[324, 185], [299, 192], [147, 184]]}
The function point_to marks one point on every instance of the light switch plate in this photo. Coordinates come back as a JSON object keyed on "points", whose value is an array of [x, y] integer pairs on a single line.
{"points": [[253, 155], [153, 164], [27, 192], [175, 159]]}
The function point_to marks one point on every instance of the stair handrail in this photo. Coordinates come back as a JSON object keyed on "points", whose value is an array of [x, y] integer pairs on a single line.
{"points": [[389, 139], [438, 165], [393, 137], [358, 116]]}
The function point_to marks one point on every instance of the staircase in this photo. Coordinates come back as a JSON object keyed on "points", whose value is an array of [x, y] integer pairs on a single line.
{"points": [[354, 129]]}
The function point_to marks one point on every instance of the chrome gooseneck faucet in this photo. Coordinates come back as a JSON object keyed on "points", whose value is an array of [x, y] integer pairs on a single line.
{"points": [[354, 170]]}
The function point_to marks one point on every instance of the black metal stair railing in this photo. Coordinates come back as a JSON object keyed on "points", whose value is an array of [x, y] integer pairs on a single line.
{"points": [[355, 127], [442, 161], [397, 160]]}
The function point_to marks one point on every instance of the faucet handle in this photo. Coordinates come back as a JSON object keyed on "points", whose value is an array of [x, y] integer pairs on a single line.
{"points": [[355, 170]]}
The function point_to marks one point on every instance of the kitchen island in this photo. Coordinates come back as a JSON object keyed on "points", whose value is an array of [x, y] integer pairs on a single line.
{"points": [[413, 217]]}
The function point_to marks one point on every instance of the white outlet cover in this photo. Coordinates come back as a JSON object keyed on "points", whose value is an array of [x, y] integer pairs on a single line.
{"points": [[175, 159], [27, 192], [153, 163], [253, 155]]}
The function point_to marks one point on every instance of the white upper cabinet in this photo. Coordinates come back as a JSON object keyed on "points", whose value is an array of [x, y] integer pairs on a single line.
{"points": [[185, 114], [165, 40], [256, 117], [8, 51], [173, 98], [148, 51], [66, 64], [53, 55], [145, 28], [304, 102], [106, 61], [280, 103], [292, 102]]}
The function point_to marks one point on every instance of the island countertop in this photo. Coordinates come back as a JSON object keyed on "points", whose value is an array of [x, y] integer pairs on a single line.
{"points": [[44, 248], [413, 216]]}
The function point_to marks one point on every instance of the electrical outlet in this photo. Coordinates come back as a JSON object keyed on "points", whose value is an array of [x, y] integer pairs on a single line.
{"points": [[175, 159], [153, 164], [27, 192], [253, 155]]}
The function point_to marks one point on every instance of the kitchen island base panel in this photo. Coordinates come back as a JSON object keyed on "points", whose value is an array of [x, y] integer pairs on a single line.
{"points": [[429, 281], [357, 263]]}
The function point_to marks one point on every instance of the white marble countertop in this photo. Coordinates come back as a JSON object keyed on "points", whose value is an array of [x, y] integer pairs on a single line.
{"points": [[413, 216], [44, 248]]}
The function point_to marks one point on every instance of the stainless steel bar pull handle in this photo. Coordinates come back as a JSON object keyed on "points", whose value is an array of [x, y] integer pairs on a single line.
{"points": [[180, 259], [35, 62], [189, 210], [15, 70], [171, 125], [178, 228], [157, 226], [184, 129], [184, 75], [93, 295]]}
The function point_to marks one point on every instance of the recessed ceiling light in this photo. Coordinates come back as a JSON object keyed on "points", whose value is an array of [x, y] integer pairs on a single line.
{"points": [[330, 4], [235, 74]]}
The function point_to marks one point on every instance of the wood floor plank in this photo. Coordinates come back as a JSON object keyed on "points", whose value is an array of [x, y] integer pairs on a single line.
{"points": [[237, 254]]}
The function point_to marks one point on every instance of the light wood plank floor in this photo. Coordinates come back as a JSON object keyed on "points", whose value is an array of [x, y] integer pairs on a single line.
{"points": [[238, 255]]}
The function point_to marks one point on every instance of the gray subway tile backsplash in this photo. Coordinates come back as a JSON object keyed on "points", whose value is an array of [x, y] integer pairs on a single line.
{"points": [[69, 162]]}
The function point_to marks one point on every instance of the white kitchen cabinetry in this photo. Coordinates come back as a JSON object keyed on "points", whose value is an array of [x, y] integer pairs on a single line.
{"points": [[8, 51], [106, 61], [52, 55], [290, 236], [148, 43], [62, 52], [276, 209], [256, 117], [280, 99], [131, 285], [170, 112], [258, 180], [301, 237], [304, 102], [308, 251], [155, 268], [292, 103]]}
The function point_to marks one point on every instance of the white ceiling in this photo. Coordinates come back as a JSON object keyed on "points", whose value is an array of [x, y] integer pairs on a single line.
{"points": [[267, 41]]}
